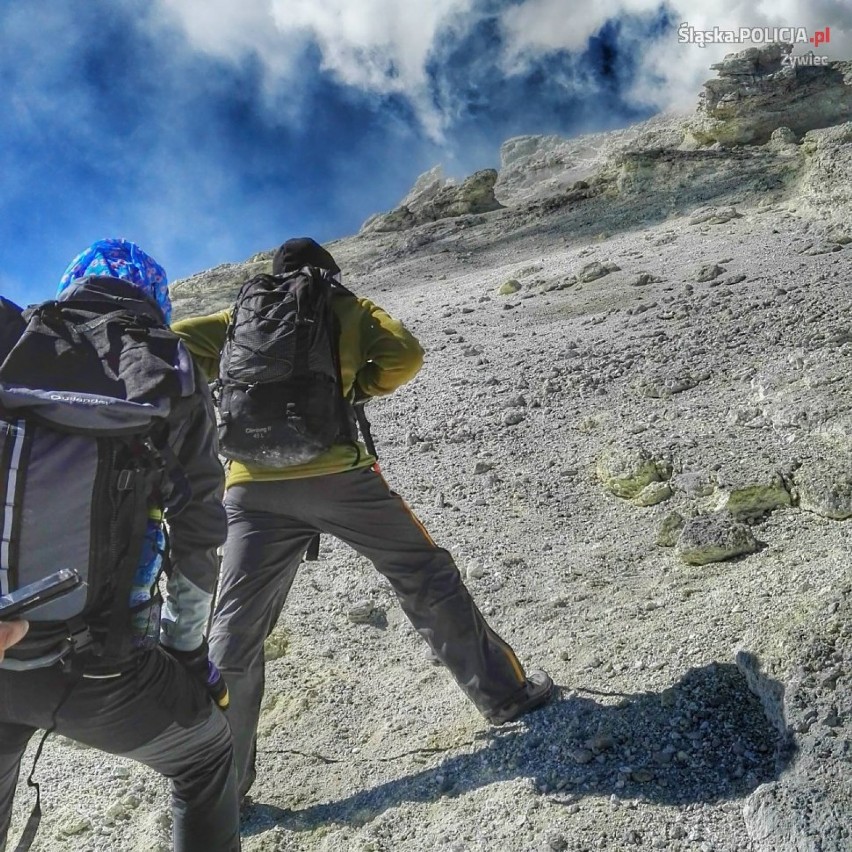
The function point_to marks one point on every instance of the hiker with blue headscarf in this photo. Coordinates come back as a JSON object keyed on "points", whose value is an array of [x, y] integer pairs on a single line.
{"points": [[153, 696]]}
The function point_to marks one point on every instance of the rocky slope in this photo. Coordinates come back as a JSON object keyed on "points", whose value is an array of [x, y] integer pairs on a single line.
{"points": [[633, 431]]}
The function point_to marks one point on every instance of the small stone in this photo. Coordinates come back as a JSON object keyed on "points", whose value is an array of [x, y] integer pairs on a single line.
{"points": [[581, 755], [116, 811], [507, 288], [593, 271], [557, 843], [601, 742], [476, 571], [74, 824], [643, 279], [669, 530], [652, 494], [642, 776], [513, 418], [361, 612], [832, 719], [708, 271], [482, 467]]}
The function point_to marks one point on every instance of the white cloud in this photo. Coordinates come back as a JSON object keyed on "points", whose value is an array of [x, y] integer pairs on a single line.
{"points": [[670, 74], [383, 46], [378, 46]]}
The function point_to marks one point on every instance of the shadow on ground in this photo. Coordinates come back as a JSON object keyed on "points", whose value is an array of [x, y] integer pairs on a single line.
{"points": [[702, 740]]}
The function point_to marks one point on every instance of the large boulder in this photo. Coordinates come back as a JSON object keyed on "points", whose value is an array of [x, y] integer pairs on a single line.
{"points": [[759, 90], [714, 538], [825, 487], [809, 807], [625, 471]]}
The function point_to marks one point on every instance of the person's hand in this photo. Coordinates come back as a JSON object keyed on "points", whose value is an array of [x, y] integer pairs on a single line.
{"points": [[200, 666], [11, 632]]}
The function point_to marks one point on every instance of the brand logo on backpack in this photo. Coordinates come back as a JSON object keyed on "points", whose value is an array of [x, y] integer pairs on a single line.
{"points": [[83, 400], [280, 394]]}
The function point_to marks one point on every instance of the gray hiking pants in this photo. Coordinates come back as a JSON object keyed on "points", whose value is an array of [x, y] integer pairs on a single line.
{"points": [[270, 525], [152, 713]]}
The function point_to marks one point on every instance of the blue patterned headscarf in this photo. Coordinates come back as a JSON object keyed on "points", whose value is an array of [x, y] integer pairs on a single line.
{"points": [[125, 260]]}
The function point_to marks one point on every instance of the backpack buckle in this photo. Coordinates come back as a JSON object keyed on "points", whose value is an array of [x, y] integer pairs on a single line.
{"points": [[125, 479], [80, 639]]}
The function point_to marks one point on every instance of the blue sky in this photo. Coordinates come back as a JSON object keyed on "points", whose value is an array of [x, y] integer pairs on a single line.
{"points": [[207, 130]]}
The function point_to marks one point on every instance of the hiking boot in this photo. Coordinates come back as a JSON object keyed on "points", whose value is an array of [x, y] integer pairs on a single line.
{"points": [[535, 693]]}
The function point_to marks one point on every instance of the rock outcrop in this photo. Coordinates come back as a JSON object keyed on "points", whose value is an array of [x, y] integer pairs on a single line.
{"points": [[714, 538], [760, 90], [810, 806], [433, 198]]}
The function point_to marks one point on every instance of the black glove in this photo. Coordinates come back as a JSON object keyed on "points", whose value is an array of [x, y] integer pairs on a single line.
{"points": [[201, 667]]}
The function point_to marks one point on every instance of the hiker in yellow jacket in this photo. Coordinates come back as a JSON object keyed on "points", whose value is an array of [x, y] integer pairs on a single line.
{"points": [[273, 514]]}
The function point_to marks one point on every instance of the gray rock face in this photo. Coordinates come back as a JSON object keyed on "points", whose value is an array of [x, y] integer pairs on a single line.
{"points": [[801, 815], [433, 198], [810, 807], [757, 91], [714, 538], [825, 487], [825, 185]]}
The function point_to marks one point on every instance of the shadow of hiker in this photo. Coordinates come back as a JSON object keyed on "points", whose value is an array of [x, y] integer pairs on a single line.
{"points": [[702, 740]]}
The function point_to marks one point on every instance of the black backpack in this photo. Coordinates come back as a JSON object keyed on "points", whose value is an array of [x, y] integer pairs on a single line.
{"points": [[279, 391], [87, 389]]}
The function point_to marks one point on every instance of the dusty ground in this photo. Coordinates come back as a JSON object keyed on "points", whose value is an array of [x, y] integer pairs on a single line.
{"points": [[731, 386]]}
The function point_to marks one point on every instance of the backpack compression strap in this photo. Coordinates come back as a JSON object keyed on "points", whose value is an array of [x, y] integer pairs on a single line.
{"points": [[135, 483]]}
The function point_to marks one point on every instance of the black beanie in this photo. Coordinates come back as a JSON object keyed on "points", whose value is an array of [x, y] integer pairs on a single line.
{"points": [[299, 252]]}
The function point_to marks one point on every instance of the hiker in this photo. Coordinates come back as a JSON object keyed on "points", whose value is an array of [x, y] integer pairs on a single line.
{"points": [[11, 632], [121, 679], [276, 509]]}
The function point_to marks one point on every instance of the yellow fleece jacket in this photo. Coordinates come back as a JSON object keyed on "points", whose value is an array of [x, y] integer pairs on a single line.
{"points": [[378, 354]]}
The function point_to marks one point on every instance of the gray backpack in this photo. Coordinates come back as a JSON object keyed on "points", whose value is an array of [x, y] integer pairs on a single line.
{"points": [[88, 387]]}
